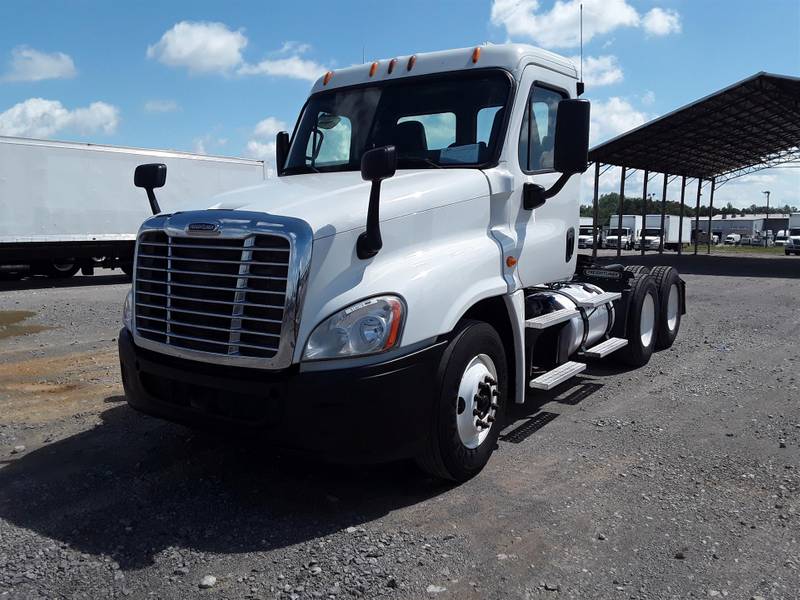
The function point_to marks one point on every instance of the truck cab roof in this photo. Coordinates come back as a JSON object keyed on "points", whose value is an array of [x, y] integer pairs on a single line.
{"points": [[511, 57]]}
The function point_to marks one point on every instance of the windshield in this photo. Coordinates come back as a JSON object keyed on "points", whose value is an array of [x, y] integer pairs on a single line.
{"points": [[652, 233], [624, 231], [451, 120], [586, 231], [794, 231]]}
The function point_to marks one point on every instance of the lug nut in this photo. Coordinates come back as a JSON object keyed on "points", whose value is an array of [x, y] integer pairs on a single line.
{"points": [[490, 418], [482, 424], [490, 380], [476, 412], [494, 405]]}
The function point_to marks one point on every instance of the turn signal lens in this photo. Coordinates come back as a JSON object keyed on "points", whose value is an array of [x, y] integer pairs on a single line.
{"points": [[510, 261]]}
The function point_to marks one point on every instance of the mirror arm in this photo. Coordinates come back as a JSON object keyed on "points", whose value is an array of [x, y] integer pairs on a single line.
{"points": [[151, 196], [558, 185], [370, 242], [534, 195]]}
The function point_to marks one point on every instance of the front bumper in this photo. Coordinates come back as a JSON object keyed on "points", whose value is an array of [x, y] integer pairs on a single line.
{"points": [[362, 414]]}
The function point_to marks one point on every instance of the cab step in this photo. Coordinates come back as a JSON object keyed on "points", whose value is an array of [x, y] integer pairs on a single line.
{"points": [[553, 318], [599, 299], [549, 380], [603, 349]]}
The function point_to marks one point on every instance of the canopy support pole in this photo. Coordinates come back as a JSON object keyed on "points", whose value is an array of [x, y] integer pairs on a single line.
{"points": [[711, 212], [644, 209], [680, 224], [595, 208], [663, 212], [621, 209], [697, 216]]}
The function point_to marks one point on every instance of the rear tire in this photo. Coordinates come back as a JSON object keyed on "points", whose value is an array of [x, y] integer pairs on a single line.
{"points": [[63, 270], [669, 313], [459, 447], [642, 320], [637, 269]]}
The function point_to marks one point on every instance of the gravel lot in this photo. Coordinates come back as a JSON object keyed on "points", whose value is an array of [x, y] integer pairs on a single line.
{"points": [[676, 480]]}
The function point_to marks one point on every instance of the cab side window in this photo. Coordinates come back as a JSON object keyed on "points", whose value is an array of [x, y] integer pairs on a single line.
{"points": [[537, 134]]}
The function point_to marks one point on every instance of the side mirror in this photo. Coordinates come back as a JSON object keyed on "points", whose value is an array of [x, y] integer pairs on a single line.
{"points": [[379, 163], [376, 165], [149, 177], [281, 151], [571, 146]]}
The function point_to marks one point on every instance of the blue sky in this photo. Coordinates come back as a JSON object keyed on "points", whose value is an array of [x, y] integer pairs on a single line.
{"points": [[222, 77]]}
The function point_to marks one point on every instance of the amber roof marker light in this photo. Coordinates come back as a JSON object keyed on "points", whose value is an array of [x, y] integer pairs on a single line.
{"points": [[411, 62], [373, 67], [476, 54], [327, 77], [392, 64]]}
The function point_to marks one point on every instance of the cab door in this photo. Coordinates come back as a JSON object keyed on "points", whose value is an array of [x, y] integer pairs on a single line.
{"points": [[546, 237]]}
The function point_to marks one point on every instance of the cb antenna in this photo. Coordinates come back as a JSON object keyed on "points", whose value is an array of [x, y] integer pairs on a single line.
{"points": [[580, 83]]}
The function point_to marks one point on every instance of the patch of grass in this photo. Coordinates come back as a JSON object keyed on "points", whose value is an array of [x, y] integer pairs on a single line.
{"points": [[777, 250]]}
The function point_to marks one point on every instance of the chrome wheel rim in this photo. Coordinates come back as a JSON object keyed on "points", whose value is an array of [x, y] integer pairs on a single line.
{"points": [[673, 305], [647, 320], [63, 267], [476, 404]]}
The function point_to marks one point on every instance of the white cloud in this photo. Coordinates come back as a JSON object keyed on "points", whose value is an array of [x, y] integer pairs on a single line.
{"points": [[161, 106], [201, 47], [559, 27], [269, 127], [263, 150], [28, 64], [294, 48], [599, 70], [659, 21], [40, 118], [613, 117], [291, 66], [648, 98], [208, 144]]}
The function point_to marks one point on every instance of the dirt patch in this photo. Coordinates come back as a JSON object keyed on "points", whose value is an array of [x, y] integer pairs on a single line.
{"points": [[11, 324], [45, 389]]}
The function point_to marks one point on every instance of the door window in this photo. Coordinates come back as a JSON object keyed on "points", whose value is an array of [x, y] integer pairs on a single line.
{"points": [[537, 134]]}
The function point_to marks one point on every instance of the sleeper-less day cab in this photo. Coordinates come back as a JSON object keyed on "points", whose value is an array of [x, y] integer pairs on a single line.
{"points": [[409, 275]]}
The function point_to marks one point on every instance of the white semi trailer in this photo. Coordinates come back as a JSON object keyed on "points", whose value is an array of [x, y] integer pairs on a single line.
{"points": [[672, 233], [67, 206], [409, 276], [793, 239], [624, 237]]}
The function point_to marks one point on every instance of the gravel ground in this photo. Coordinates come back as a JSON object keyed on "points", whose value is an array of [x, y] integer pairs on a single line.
{"points": [[676, 480]]}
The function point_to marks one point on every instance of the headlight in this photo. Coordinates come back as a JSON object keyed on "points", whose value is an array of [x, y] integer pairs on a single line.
{"points": [[369, 327], [127, 310]]}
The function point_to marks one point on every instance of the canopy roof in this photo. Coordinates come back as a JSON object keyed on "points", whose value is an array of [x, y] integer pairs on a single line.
{"points": [[751, 125]]}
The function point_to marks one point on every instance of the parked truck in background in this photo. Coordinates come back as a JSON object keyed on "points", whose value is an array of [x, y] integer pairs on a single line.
{"points": [[733, 239], [408, 278], [624, 238], [672, 235], [68, 206], [585, 234], [793, 238]]}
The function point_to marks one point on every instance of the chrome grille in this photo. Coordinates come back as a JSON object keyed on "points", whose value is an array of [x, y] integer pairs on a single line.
{"points": [[224, 296]]}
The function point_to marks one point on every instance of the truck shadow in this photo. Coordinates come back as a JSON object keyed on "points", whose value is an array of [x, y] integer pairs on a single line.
{"points": [[133, 486], [725, 266], [40, 282]]}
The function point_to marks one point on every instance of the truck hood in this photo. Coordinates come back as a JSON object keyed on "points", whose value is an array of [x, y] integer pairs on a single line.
{"points": [[332, 203]]}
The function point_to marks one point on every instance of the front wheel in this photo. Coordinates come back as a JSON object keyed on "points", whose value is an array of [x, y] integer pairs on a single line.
{"points": [[467, 417], [62, 270]]}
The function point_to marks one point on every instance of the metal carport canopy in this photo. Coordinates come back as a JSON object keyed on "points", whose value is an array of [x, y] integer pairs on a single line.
{"points": [[751, 125]]}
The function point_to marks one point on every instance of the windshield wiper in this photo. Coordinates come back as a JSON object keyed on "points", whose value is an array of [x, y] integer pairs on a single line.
{"points": [[419, 159]]}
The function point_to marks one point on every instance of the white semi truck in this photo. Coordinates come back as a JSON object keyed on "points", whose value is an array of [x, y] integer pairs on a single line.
{"points": [[68, 206], [672, 234], [793, 237], [409, 276], [585, 233], [623, 237]]}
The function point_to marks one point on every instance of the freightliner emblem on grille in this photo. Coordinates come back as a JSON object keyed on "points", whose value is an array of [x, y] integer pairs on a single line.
{"points": [[203, 227]]}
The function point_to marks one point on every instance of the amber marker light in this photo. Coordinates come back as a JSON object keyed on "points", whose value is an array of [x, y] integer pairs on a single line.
{"points": [[476, 54], [411, 62], [373, 68], [397, 315], [392, 64], [327, 77], [511, 261]]}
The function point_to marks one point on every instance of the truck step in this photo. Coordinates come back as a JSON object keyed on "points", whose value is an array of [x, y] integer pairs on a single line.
{"points": [[560, 374], [603, 349], [599, 299], [550, 319]]}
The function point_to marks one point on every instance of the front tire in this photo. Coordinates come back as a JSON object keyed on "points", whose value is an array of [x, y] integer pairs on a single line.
{"points": [[63, 270], [468, 415], [642, 320]]}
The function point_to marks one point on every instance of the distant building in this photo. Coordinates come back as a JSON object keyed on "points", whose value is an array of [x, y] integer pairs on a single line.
{"points": [[751, 225]]}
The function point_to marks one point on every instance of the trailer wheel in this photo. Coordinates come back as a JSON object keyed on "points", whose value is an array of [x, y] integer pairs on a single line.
{"points": [[642, 320], [669, 314], [637, 269], [467, 416], [63, 270]]}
